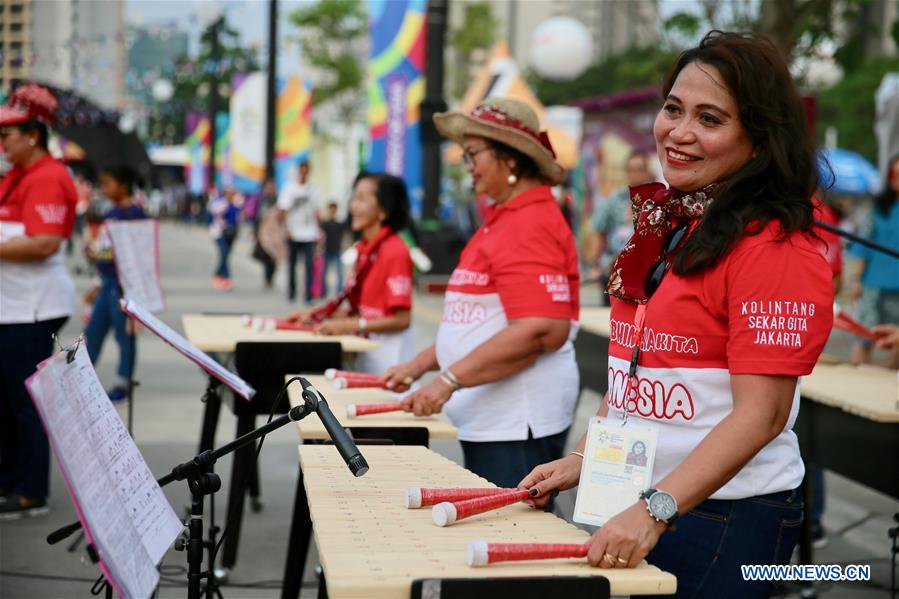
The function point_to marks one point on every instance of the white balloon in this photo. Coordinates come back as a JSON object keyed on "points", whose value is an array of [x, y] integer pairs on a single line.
{"points": [[163, 90], [127, 122], [561, 49]]}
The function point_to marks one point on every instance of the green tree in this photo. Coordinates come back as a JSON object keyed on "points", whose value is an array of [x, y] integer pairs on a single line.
{"points": [[193, 79], [330, 35], [477, 32]]}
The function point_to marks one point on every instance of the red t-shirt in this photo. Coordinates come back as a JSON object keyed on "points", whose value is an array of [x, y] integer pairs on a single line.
{"points": [[42, 198], [766, 308], [388, 285]]}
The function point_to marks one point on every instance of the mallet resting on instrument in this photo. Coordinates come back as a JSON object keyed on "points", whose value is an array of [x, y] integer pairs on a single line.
{"points": [[481, 553], [417, 497], [447, 513], [365, 409]]}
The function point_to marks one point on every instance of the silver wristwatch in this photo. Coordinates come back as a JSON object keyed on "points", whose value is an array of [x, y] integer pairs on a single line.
{"points": [[661, 506]]}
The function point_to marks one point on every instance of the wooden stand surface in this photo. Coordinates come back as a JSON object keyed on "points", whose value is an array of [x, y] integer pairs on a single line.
{"points": [[867, 391], [338, 399], [216, 333], [372, 547]]}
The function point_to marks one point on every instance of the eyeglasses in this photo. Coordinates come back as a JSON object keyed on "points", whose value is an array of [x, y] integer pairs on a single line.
{"points": [[657, 273], [468, 157]]}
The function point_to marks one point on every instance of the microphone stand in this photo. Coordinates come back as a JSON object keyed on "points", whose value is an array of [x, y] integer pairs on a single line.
{"points": [[203, 481]]}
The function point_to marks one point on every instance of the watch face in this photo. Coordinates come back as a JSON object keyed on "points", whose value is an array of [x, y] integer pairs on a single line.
{"points": [[662, 505]]}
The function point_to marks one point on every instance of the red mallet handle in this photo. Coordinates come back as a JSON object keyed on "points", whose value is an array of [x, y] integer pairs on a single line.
{"points": [[365, 409], [282, 324], [481, 553], [419, 496], [342, 383], [843, 321], [333, 373], [447, 513]]}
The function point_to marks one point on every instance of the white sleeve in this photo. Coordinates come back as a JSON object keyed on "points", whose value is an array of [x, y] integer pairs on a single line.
{"points": [[285, 198]]}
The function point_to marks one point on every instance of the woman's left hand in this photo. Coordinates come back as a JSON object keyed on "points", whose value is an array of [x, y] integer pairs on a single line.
{"points": [[429, 399], [626, 539], [338, 326]]}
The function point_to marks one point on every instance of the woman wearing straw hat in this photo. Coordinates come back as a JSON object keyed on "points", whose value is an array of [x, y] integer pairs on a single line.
{"points": [[508, 376], [37, 213]]}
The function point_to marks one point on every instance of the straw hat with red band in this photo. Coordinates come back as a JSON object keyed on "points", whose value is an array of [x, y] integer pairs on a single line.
{"points": [[31, 101], [510, 122]]}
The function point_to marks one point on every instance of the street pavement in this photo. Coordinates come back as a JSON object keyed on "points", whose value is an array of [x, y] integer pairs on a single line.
{"points": [[167, 417]]}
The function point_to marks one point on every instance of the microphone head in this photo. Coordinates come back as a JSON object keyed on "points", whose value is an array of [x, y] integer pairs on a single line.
{"points": [[358, 465]]}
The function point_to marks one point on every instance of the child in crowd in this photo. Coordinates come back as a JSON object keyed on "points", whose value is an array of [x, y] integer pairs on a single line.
{"points": [[117, 184]]}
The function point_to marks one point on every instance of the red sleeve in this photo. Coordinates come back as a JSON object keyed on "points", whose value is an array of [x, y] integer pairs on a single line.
{"points": [[780, 307], [49, 207], [398, 267], [532, 274]]}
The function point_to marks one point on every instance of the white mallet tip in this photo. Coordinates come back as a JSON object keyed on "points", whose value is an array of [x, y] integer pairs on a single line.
{"points": [[413, 497], [444, 514], [477, 553], [340, 383], [330, 373], [351, 410]]}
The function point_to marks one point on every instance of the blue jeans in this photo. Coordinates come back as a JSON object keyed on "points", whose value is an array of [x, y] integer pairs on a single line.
{"points": [[505, 463], [711, 542], [308, 249], [333, 259], [24, 450], [106, 314], [224, 244]]}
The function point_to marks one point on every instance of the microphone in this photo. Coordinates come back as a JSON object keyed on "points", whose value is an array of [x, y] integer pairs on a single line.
{"points": [[344, 443]]}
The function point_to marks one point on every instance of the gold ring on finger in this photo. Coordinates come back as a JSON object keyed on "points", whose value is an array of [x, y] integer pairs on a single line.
{"points": [[609, 558], [621, 560]]}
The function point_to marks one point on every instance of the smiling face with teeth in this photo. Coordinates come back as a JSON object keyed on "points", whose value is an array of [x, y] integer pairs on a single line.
{"points": [[698, 133]]}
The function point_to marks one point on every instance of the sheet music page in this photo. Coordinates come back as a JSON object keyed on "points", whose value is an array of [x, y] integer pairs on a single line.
{"points": [[135, 244], [124, 510], [176, 340]]}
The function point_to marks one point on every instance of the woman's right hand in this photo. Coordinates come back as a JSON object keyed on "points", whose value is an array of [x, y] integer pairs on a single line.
{"points": [[91, 295], [300, 316], [559, 475], [400, 377]]}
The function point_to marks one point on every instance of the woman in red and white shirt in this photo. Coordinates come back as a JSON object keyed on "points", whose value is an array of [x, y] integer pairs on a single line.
{"points": [[509, 380], [725, 293], [378, 292], [37, 295]]}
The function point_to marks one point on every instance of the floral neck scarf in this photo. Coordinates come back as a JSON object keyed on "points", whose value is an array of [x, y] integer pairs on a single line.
{"points": [[657, 211]]}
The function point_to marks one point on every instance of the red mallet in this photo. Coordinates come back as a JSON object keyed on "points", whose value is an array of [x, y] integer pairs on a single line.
{"points": [[417, 497], [365, 409], [447, 513], [843, 321], [481, 553], [334, 373], [282, 324], [342, 383]]}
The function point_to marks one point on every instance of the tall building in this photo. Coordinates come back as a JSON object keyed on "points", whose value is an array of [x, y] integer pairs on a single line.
{"points": [[15, 43], [76, 44], [614, 25]]}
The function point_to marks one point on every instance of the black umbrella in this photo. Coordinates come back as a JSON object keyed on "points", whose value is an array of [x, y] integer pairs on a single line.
{"points": [[97, 132]]}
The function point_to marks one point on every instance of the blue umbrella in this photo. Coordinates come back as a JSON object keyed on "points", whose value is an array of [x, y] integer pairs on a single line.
{"points": [[843, 171]]}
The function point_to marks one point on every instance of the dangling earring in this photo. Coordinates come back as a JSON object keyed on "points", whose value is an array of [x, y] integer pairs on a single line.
{"points": [[512, 179]]}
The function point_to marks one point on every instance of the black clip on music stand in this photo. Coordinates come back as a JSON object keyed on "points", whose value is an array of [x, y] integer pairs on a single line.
{"points": [[203, 481]]}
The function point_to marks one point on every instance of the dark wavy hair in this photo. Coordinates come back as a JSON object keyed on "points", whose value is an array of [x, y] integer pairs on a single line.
{"points": [[43, 134], [777, 183], [525, 166], [392, 196], [885, 200], [124, 174]]}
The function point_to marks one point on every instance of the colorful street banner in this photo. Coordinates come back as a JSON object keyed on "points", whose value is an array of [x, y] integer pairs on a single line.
{"points": [[293, 127], [396, 88], [224, 176], [196, 145], [248, 114]]}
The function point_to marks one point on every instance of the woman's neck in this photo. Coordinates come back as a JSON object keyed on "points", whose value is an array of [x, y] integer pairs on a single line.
{"points": [[36, 155], [371, 232], [521, 186]]}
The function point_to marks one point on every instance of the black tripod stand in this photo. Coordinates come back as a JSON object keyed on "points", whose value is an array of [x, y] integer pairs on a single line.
{"points": [[203, 481]]}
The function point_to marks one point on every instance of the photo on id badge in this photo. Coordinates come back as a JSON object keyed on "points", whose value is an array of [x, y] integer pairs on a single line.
{"points": [[617, 467]]}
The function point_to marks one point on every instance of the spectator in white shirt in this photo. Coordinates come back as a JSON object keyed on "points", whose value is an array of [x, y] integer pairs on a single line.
{"points": [[298, 203]]}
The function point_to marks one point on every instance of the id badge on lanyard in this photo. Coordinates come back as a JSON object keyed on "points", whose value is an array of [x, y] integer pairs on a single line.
{"points": [[618, 458]]}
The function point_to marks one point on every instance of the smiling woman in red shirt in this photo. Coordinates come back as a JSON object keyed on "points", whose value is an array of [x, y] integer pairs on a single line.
{"points": [[37, 213], [377, 298]]}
